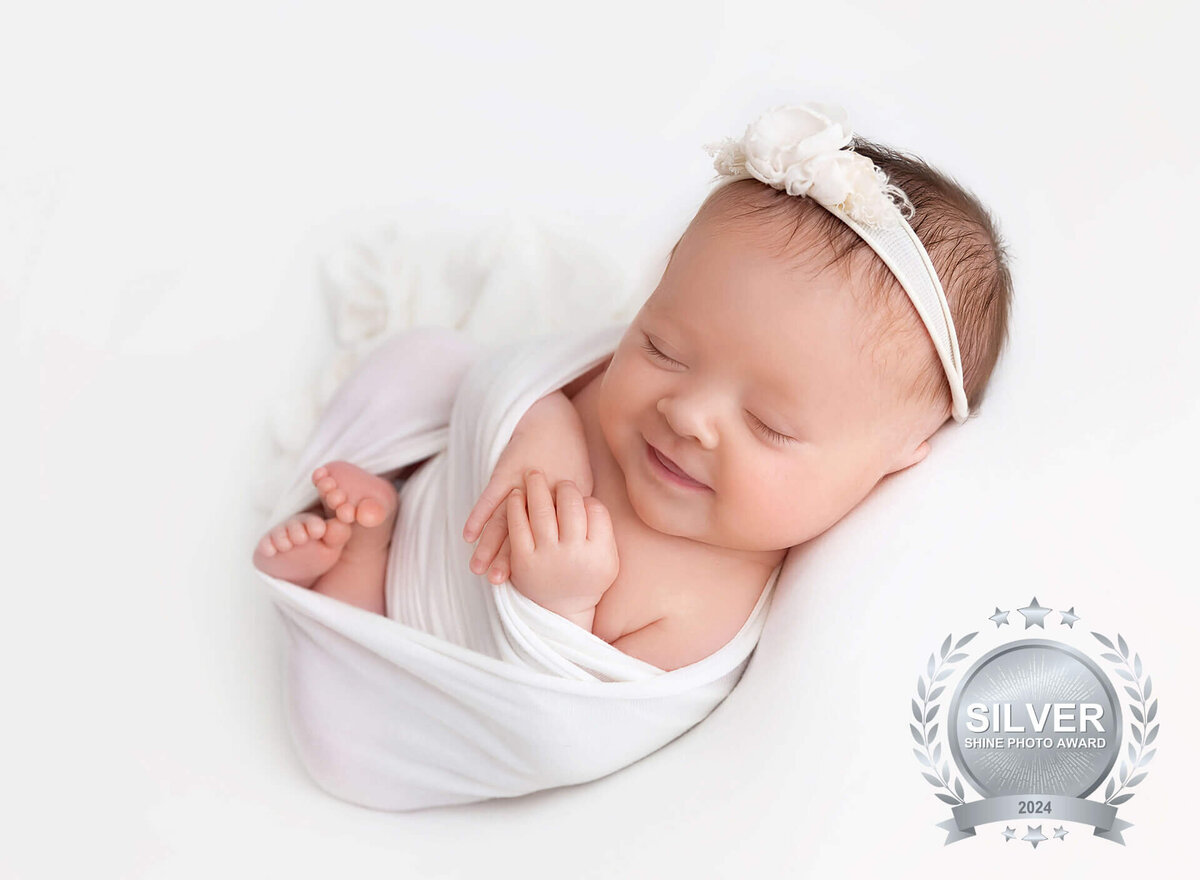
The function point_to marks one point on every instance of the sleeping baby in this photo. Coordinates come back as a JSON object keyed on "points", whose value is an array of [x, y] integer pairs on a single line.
{"points": [[804, 342]]}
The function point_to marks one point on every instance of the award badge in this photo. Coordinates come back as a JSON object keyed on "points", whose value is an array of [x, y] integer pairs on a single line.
{"points": [[1035, 726]]}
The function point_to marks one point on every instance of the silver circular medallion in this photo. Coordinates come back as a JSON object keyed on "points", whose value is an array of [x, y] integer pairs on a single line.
{"points": [[1035, 717]]}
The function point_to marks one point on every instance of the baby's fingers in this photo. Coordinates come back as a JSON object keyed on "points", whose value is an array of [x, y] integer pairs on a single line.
{"points": [[520, 534], [542, 517], [502, 567], [572, 519], [599, 523], [493, 536], [481, 513]]}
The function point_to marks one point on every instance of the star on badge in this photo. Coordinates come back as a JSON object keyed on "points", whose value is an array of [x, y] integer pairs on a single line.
{"points": [[1069, 617], [1000, 618], [1035, 836], [1035, 614], [1009, 834], [1060, 833]]}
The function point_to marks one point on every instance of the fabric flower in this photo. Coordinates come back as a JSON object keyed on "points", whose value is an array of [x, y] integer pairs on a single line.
{"points": [[799, 149]]}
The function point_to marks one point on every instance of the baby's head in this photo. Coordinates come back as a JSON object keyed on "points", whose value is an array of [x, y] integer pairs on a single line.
{"points": [[781, 364]]}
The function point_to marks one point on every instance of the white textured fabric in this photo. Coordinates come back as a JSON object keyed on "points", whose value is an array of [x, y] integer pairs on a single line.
{"points": [[465, 690], [494, 280]]}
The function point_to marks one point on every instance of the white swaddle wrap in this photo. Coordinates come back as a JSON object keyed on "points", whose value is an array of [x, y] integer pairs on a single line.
{"points": [[465, 690]]}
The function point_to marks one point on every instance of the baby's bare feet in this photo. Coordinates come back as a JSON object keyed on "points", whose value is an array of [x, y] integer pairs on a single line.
{"points": [[302, 549], [360, 499], [360, 513]]}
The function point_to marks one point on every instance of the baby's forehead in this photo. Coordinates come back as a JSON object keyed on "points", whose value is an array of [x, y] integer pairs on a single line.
{"points": [[871, 350]]}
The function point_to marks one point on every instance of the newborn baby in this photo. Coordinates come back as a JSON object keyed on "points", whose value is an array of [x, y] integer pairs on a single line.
{"points": [[773, 378]]}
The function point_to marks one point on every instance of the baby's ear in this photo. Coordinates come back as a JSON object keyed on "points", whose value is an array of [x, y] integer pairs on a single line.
{"points": [[913, 456]]}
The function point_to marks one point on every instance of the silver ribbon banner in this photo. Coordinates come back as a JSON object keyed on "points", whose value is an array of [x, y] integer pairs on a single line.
{"points": [[1008, 807]]}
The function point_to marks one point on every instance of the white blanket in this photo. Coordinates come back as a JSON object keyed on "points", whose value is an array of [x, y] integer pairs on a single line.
{"points": [[465, 690]]}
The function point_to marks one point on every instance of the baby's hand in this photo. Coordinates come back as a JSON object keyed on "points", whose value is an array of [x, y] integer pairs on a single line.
{"points": [[564, 560], [550, 437]]}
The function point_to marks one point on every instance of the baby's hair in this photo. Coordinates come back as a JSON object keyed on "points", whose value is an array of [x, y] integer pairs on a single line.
{"points": [[962, 241]]}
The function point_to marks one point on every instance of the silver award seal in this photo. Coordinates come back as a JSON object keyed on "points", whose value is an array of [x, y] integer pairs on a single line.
{"points": [[1034, 726]]}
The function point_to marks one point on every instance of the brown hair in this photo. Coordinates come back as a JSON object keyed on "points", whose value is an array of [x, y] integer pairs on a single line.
{"points": [[961, 239]]}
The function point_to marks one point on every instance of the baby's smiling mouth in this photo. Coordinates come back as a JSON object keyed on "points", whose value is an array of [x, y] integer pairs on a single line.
{"points": [[681, 477]]}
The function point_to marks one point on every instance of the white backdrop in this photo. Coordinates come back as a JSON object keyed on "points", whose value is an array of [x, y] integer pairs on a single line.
{"points": [[168, 177]]}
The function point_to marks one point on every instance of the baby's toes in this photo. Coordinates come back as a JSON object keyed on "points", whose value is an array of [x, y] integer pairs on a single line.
{"points": [[266, 547], [279, 537], [296, 531], [337, 533], [325, 484], [370, 512], [314, 525]]}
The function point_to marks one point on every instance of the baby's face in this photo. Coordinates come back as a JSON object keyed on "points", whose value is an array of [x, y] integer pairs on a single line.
{"points": [[751, 377]]}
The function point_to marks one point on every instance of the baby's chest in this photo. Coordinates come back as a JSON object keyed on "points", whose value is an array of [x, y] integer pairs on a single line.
{"points": [[657, 582], [633, 601]]}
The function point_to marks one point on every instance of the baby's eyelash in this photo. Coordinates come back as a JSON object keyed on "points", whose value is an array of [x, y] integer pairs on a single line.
{"points": [[773, 436], [649, 347]]}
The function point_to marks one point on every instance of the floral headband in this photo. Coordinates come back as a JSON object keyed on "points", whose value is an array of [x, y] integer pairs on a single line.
{"points": [[800, 149]]}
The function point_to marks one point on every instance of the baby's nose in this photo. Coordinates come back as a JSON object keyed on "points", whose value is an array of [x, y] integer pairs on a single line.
{"points": [[688, 419]]}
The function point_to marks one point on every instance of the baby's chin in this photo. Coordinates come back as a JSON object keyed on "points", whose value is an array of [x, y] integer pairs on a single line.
{"points": [[651, 506]]}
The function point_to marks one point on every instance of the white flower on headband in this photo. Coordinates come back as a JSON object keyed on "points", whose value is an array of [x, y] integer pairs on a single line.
{"points": [[799, 149]]}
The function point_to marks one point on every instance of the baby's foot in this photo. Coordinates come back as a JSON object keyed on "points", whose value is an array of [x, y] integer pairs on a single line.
{"points": [[363, 501], [302, 549]]}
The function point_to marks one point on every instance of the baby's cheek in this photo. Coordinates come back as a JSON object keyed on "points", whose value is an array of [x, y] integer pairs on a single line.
{"points": [[770, 500]]}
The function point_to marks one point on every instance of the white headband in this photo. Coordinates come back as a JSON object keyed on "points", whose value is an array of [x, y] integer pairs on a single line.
{"points": [[799, 149]]}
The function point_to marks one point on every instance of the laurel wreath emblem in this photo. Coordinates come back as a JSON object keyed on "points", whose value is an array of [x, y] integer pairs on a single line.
{"points": [[1143, 727], [940, 667]]}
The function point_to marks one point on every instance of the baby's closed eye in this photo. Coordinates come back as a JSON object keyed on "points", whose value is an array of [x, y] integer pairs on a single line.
{"points": [[650, 348], [771, 434]]}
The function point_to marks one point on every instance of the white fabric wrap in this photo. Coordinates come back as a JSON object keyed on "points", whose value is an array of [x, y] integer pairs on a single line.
{"points": [[466, 690]]}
